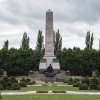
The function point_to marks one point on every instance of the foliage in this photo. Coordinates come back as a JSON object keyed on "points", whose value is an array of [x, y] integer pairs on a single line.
{"points": [[89, 41], [94, 83], [83, 86], [1, 71], [1, 87], [6, 82], [65, 81], [9, 83], [57, 41], [86, 80], [79, 62], [0, 96], [98, 88], [77, 84], [15, 86], [13, 80], [6, 44], [22, 84], [39, 43], [20, 61], [76, 80], [70, 81], [25, 41], [27, 81], [34, 82]]}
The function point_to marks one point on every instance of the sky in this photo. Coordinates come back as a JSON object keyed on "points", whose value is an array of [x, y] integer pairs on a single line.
{"points": [[74, 18]]}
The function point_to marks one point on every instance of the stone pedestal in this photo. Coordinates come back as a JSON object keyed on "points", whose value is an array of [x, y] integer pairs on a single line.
{"points": [[49, 79], [4, 73], [93, 73]]}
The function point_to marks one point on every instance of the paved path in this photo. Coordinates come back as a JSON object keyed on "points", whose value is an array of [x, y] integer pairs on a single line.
{"points": [[50, 92]]}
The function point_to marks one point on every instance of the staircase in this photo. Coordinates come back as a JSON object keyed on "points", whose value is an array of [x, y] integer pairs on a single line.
{"points": [[62, 76], [36, 76]]}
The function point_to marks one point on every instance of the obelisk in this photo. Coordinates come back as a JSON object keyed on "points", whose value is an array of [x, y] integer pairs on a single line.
{"points": [[49, 42], [49, 57]]}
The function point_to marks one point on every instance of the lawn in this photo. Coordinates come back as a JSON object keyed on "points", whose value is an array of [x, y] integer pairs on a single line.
{"points": [[52, 97], [48, 88], [36, 88]]}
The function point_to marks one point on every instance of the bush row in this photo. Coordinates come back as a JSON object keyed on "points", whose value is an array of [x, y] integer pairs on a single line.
{"points": [[11, 83], [84, 84]]}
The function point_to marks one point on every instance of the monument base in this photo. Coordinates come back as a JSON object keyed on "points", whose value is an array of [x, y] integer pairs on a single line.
{"points": [[49, 79], [46, 61]]}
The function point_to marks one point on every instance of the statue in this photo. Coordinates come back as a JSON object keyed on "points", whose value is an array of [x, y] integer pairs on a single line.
{"points": [[49, 72]]}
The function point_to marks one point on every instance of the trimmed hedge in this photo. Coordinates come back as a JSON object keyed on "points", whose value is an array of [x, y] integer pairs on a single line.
{"points": [[83, 86], [22, 84], [1, 87], [98, 88], [15, 86], [76, 84]]}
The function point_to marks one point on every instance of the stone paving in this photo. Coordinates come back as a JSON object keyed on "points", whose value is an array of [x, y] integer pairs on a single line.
{"points": [[50, 92]]}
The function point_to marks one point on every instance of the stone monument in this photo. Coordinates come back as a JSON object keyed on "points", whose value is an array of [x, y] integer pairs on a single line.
{"points": [[49, 57]]}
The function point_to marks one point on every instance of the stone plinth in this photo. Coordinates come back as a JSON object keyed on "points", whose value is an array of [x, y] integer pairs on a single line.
{"points": [[4, 73], [49, 79]]}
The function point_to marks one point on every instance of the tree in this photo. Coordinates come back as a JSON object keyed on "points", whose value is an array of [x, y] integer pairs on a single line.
{"points": [[6, 44], [39, 43], [89, 41], [25, 41], [57, 41]]}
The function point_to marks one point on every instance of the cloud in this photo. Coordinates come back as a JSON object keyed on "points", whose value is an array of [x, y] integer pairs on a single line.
{"points": [[73, 17]]}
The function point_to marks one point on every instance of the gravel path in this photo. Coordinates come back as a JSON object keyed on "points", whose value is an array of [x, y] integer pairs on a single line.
{"points": [[50, 92]]}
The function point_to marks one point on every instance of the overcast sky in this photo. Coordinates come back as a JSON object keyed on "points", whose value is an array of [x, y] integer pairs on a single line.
{"points": [[72, 17]]}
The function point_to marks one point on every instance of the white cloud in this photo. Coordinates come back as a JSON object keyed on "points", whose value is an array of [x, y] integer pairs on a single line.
{"points": [[73, 17]]}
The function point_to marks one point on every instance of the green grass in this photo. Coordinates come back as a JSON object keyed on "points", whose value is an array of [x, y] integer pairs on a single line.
{"points": [[52, 97], [36, 88], [48, 88]]}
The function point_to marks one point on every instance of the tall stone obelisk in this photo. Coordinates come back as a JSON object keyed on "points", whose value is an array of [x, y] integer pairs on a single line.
{"points": [[49, 42], [49, 57]]}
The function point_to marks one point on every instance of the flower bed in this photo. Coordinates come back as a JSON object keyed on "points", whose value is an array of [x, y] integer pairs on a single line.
{"points": [[58, 91], [42, 92]]}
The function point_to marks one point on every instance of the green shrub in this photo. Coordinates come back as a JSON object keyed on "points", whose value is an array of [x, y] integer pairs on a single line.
{"points": [[86, 80], [94, 83], [6, 82], [71, 79], [65, 81], [70, 83], [1, 71], [1, 81], [76, 84], [22, 84], [30, 83], [0, 96], [27, 80], [15, 86], [93, 86], [94, 80], [23, 79], [34, 82], [83, 86], [76, 80], [98, 88], [13, 80], [1, 87]]}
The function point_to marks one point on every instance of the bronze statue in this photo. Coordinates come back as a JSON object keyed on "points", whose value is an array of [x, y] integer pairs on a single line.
{"points": [[49, 72]]}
